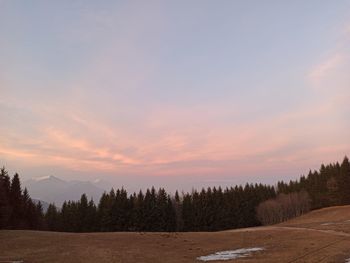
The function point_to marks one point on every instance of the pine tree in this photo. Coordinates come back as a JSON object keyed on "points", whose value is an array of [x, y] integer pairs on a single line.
{"points": [[139, 212], [177, 204], [38, 218], [188, 213], [16, 202], [160, 211], [170, 213], [52, 218], [27, 213], [132, 212], [104, 211], [120, 211], [91, 217], [68, 217], [82, 211], [5, 210], [344, 183], [5, 178]]}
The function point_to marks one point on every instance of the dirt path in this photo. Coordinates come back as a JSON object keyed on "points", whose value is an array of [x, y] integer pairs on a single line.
{"points": [[268, 228]]}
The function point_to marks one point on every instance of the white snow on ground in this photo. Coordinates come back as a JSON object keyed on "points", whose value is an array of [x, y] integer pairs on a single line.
{"points": [[231, 254], [327, 224]]}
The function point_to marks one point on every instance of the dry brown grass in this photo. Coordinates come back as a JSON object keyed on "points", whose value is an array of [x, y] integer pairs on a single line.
{"points": [[304, 239]]}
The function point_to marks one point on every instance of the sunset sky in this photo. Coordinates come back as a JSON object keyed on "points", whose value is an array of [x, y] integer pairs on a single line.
{"points": [[178, 94]]}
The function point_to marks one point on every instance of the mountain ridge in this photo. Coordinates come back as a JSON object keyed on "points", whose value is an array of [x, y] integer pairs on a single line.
{"points": [[52, 189]]}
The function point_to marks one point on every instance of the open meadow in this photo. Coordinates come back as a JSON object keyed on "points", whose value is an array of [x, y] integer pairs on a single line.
{"points": [[320, 236]]}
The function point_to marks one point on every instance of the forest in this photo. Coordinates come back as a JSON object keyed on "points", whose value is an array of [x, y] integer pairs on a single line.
{"points": [[155, 210]]}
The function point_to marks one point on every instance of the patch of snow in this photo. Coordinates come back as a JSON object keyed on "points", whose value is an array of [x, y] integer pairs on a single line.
{"points": [[327, 224], [47, 178], [230, 254], [96, 181], [42, 178]]}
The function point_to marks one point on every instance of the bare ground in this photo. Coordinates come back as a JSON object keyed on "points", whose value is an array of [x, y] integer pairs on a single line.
{"points": [[320, 236]]}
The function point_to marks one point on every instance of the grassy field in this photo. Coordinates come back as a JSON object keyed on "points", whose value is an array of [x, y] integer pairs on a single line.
{"points": [[320, 236]]}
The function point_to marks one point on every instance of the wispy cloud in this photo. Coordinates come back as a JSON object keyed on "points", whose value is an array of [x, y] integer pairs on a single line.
{"points": [[325, 68], [332, 71], [117, 110]]}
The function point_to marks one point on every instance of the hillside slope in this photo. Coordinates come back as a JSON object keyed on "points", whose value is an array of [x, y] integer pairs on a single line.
{"points": [[320, 236]]}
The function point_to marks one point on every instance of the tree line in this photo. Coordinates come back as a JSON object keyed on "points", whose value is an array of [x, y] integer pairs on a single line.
{"points": [[17, 210], [155, 210], [210, 209], [329, 186]]}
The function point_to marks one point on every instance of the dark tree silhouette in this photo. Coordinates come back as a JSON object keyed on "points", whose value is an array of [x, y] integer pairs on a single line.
{"points": [[210, 209]]}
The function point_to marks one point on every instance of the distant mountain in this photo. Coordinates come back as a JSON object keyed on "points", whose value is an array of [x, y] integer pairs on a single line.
{"points": [[55, 190]]}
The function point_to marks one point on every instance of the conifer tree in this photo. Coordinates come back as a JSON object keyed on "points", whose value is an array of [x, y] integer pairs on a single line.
{"points": [[177, 204], [344, 181], [16, 201], [82, 211], [104, 211], [139, 212], [91, 217], [5, 210], [52, 218]]}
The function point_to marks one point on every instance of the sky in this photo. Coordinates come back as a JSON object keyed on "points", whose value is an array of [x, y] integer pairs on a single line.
{"points": [[178, 94]]}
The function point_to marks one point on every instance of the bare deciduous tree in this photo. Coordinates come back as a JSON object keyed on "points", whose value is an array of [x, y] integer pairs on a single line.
{"points": [[283, 207]]}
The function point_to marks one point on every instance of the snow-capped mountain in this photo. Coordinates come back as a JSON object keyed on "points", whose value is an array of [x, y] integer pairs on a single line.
{"points": [[55, 190]]}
